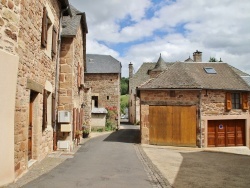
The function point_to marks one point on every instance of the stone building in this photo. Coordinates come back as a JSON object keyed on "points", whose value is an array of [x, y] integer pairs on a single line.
{"points": [[103, 75], [28, 48], [146, 71], [71, 84], [196, 104]]}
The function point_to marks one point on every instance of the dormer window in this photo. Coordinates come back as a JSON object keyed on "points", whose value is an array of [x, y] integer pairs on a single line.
{"points": [[210, 70]]}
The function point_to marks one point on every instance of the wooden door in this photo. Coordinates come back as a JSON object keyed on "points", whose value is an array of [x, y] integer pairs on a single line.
{"points": [[172, 125], [32, 98], [240, 133], [226, 133]]}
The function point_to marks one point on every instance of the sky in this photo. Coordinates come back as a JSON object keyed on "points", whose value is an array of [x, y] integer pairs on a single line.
{"points": [[139, 31]]}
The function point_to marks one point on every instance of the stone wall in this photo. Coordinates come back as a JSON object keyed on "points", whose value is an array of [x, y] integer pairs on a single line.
{"points": [[35, 69], [107, 88], [211, 103], [9, 25], [213, 107], [70, 95]]}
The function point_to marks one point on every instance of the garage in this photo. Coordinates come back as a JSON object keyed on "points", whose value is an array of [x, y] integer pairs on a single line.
{"points": [[226, 133], [172, 125]]}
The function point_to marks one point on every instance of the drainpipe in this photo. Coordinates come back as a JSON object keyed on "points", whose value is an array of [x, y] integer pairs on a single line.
{"points": [[199, 118], [57, 77]]}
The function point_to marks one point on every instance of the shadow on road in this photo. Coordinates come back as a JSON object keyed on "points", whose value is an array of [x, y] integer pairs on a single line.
{"points": [[125, 136]]}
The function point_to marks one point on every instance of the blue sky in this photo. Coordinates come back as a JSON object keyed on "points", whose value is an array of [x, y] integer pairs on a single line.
{"points": [[138, 31]]}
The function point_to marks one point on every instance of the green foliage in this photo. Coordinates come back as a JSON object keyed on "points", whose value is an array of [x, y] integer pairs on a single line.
{"points": [[212, 59], [124, 103], [124, 85]]}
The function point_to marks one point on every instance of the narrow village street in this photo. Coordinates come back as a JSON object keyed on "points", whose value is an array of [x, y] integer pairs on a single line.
{"points": [[117, 160], [110, 160]]}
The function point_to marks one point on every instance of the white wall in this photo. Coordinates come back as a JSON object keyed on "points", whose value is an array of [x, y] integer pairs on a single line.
{"points": [[8, 80]]}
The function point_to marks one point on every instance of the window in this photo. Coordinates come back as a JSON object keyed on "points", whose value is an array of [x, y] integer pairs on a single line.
{"points": [[107, 97], [95, 101], [49, 33], [236, 101], [210, 70]]}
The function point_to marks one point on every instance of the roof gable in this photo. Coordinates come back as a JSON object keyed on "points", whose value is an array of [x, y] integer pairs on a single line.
{"points": [[70, 25]]}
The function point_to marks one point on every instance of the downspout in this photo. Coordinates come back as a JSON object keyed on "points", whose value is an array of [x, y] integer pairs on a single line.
{"points": [[199, 118], [57, 77]]}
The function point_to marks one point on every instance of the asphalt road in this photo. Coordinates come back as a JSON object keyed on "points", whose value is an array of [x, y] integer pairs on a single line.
{"points": [[190, 168], [106, 161]]}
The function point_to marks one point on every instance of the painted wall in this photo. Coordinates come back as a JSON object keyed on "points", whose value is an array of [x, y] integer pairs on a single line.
{"points": [[98, 120], [8, 80]]}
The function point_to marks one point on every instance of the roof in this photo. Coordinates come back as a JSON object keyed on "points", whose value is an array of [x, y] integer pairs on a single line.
{"points": [[189, 60], [65, 5], [142, 74], [193, 76], [99, 111], [247, 79], [96, 63], [70, 25], [160, 65]]}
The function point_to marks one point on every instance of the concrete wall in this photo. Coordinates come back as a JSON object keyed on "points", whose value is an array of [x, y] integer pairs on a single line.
{"points": [[9, 28], [98, 120]]}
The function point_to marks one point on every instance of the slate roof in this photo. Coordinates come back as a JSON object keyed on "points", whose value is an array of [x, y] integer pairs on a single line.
{"points": [[141, 76], [65, 4], [160, 65], [70, 25], [193, 76], [96, 63]]}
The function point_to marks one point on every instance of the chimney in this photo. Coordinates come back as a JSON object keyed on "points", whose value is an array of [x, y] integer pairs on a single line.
{"points": [[197, 56], [131, 69]]}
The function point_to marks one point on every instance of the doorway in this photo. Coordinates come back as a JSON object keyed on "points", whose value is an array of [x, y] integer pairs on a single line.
{"points": [[30, 128]]}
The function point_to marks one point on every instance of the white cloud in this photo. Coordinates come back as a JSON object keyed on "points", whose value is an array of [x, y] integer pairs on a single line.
{"points": [[219, 29]]}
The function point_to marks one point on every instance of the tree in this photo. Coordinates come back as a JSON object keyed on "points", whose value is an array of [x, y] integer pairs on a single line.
{"points": [[124, 85], [213, 59]]}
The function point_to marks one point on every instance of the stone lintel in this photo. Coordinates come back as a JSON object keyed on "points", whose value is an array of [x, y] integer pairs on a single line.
{"points": [[34, 86]]}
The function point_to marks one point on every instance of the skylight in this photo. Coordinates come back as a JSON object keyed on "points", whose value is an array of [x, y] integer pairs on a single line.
{"points": [[210, 70]]}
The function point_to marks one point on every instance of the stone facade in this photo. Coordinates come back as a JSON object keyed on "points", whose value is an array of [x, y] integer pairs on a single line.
{"points": [[36, 73], [107, 88], [210, 106], [70, 94], [9, 25]]}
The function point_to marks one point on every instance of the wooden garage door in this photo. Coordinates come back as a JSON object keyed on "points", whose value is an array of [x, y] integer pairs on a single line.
{"points": [[172, 125], [225, 133]]}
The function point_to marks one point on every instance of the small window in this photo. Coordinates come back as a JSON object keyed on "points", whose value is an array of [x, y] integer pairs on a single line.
{"points": [[236, 101], [210, 70], [107, 97], [95, 101]]}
